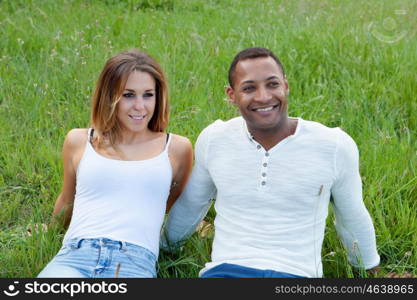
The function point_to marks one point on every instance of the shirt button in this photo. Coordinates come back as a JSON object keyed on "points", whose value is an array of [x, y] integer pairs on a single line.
{"points": [[263, 174], [266, 154], [263, 182], [265, 164], [259, 146]]}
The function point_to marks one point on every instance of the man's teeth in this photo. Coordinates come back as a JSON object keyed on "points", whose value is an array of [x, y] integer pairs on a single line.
{"points": [[265, 109]]}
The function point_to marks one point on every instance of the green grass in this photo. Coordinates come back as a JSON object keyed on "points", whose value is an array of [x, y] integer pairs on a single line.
{"points": [[340, 71]]}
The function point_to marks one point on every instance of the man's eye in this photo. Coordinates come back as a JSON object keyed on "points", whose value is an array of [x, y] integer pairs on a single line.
{"points": [[248, 89], [128, 95], [273, 84]]}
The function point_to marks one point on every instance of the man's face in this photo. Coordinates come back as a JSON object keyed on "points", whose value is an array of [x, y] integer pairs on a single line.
{"points": [[260, 92]]}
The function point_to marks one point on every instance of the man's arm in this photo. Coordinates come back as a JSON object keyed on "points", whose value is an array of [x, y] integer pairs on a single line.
{"points": [[353, 222], [194, 202]]}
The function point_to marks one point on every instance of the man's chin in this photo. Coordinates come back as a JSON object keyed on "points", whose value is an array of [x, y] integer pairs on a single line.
{"points": [[266, 124], [263, 126]]}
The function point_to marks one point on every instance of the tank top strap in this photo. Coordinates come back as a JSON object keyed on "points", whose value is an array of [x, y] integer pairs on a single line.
{"points": [[90, 135], [168, 141]]}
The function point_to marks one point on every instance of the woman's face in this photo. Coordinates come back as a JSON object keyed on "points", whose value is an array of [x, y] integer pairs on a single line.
{"points": [[137, 104]]}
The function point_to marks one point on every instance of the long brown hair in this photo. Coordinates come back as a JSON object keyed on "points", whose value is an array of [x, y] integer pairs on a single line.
{"points": [[109, 89]]}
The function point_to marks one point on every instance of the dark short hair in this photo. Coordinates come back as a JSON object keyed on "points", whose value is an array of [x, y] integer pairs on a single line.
{"points": [[251, 53]]}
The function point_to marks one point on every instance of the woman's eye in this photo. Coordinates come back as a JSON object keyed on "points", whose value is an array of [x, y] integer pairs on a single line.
{"points": [[148, 95], [128, 95]]}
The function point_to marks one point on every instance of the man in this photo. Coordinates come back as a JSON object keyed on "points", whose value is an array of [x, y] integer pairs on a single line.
{"points": [[273, 176]]}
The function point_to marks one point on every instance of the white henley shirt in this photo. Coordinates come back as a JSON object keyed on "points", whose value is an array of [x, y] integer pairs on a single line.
{"points": [[271, 206]]}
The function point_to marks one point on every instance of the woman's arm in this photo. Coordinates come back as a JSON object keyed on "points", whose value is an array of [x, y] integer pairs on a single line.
{"points": [[71, 155], [194, 201], [181, 155]]}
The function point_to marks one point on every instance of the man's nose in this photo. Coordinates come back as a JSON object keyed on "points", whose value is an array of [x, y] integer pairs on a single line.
{"points": [[262, 94]]}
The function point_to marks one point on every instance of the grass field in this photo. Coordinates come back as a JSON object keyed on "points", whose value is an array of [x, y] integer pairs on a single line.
{"points": [[349, 63]]}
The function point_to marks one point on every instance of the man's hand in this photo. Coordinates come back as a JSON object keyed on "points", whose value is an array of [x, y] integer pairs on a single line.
{"points": [[205, 229], [36, 229], [374, 271], [397, 275]]}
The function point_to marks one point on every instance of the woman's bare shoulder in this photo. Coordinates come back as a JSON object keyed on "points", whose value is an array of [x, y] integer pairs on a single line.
{"points": [[180, 145], [76, 138]]}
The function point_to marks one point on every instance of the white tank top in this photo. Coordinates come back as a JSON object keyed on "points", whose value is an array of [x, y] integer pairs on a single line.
{"points": [[121, 200]]}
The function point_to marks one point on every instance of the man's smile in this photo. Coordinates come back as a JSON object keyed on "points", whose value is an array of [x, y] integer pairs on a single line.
{"points": [[266, 108]]}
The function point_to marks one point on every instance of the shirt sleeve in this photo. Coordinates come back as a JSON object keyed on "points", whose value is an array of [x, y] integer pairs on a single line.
{"points": [[353, 222], [194, 202]]}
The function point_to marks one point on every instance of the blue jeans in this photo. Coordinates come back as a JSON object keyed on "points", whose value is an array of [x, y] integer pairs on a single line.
{"points": [[101, 258], [236, 271]]}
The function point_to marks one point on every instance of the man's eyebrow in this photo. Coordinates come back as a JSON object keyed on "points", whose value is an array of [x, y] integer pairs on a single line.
{"points": [[252, 81], [272, 77], [247, 81]]}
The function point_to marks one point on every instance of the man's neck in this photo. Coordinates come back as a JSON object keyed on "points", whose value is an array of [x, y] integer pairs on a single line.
{"points": [[270, 137]]}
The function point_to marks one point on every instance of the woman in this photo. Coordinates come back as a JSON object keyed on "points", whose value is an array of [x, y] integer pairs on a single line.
{"points": [[121, 175]]}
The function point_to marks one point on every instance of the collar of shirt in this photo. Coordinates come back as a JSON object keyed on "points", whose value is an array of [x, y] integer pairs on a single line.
{"points": [[284, 141]]}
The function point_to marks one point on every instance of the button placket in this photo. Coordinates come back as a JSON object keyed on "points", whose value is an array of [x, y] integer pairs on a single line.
{"points": [[264, 165], [264, 170]]}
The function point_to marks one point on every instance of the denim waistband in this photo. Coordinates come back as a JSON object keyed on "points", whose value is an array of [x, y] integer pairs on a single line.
{"points": [[76, 243]]}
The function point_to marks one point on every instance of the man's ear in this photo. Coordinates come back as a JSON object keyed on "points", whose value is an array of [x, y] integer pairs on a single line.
{"points": [[230, 94], [287, 87]]}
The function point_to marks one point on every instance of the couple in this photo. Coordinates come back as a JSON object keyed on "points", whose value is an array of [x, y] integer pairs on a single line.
{"points": [[272, 177]]}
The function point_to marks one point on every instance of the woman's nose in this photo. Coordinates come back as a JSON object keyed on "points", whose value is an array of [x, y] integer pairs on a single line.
{"points": [[139, 103]]}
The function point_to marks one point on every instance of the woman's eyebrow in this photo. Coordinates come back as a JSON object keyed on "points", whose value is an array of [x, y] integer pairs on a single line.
{"points": [[130, 90]]}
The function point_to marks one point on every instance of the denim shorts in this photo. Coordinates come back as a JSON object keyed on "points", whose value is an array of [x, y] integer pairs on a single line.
{"points": [[237, 271], [101, 258]]}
